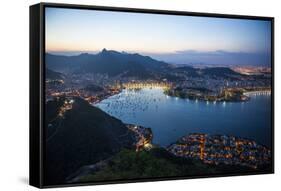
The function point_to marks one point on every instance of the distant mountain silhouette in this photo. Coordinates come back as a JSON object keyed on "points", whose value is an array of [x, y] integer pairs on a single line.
{"points": [[219, 72], [83, 136], [50, 74], [223, 72], [190, 71], [93, 88], [124, 64], [106, 62]]}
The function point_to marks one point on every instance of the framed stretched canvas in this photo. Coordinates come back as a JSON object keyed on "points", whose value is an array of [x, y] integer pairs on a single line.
{"points": [[123, 95]]}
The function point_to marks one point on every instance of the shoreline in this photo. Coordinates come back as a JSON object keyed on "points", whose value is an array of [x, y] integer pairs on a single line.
{"points": [[243, 96]]}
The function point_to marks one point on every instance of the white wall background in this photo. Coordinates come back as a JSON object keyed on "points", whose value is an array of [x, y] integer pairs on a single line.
{"points": [[14, 88]]}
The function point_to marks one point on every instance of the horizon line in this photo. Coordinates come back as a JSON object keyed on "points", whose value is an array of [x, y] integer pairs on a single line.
{"points": [[155, 52]]}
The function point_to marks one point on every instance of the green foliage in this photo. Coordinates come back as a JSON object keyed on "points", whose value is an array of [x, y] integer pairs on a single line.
{"points": [[156, 163]]}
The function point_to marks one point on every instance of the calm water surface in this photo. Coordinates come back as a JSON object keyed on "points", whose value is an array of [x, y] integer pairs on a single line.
{"points": [[171, 118]]}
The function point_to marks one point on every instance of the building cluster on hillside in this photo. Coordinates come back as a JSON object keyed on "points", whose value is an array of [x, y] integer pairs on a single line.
{"points": [[67, 105], [199, 87], [218, 83], [61, 90], [143, 137], [217, 87], [221, 149]]}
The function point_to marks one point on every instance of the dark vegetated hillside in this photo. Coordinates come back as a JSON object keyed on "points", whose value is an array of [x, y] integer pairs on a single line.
{"points": [[188, 70], [156, 163], [83, 136], [93, 88], [210, 71], [50, 74], [219, 72], [115, 63], [106, 62]]}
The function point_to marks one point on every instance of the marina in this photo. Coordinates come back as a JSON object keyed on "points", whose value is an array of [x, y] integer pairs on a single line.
{"points": [[171, 118]]}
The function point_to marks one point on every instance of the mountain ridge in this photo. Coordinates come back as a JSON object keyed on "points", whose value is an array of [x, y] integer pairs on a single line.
{"points": [[106, 62], [81, 136], [114, 63]]}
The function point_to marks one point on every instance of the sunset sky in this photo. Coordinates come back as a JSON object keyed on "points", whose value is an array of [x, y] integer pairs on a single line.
{"points": [[74, 30]]}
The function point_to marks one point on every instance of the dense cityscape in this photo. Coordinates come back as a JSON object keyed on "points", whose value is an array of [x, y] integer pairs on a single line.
{"points": [[221, 87], [222, 149], [208, 85], [205, 84]]}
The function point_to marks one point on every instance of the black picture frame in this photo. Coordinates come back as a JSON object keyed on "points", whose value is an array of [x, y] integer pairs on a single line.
{"points": [[37, 89]]}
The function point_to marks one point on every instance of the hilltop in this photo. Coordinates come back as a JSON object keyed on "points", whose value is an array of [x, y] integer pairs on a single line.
{"points": [[124, 65], [108, 62], [154, 163], [80, 134]]}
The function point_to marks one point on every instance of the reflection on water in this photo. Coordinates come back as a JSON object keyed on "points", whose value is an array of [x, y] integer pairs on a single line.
{"points": [[171, 118], [131, 103]]}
